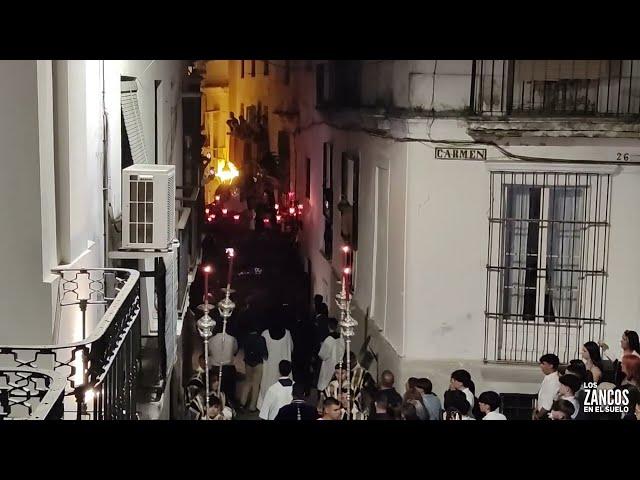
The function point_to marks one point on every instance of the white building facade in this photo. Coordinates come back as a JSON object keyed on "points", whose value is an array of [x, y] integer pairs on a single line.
{"points": [[495, 204], [67, 127]]}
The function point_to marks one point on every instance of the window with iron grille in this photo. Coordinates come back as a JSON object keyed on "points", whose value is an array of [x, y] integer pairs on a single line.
{"points": [[556, 87], [547, 264]]}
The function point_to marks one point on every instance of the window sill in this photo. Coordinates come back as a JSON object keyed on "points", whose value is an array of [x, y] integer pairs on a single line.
{"points": [[554, 127]]}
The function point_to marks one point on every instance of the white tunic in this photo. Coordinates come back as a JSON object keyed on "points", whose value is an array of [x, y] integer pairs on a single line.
{"points": [[277, 396], [331, 352], [495, 415], [548, 391], [278, 350]]}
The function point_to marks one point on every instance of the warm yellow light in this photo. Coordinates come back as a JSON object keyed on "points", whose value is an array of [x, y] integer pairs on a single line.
{"points": [[227, 171]]}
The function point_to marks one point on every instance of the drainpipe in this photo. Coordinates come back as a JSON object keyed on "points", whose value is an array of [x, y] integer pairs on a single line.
{"points": [[105, 175]]}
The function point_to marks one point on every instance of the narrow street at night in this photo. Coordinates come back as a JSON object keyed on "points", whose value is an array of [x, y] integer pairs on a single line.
{"points": [[336, 240]]}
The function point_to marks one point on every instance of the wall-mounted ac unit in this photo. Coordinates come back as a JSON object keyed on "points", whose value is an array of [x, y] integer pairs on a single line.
{"points": [[148, 206]]}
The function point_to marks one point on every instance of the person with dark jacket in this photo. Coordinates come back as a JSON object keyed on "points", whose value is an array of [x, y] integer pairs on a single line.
{"points": [[255, 353], [381, 407], [298, 409], [394, 399]]}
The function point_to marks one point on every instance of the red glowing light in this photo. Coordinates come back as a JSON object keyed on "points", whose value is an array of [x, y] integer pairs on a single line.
{"points": [[300, 206], [347, 271], [207, 269], [276, 206], [345, 249], [206, 211], [290, 194], [236, 217], [217, 198], [265, 220], [292, 211], [224, 211], [278, 217]]}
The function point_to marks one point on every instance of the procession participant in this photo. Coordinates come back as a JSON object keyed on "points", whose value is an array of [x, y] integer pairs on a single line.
{"points": [[298, 409], [279, 348], [279, 394], [330, 353]]}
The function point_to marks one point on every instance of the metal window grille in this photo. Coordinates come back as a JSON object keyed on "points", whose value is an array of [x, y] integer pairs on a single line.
{"points": [[547, 264], [556, 87]]}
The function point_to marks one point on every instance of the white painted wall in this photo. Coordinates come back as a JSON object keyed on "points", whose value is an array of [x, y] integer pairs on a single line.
{"points": [[437, 219], [51, 119], [24, 297]]}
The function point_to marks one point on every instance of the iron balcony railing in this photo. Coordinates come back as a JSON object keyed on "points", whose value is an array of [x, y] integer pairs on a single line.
{"points": [[609, 88], [30, 394], [101, 370]]}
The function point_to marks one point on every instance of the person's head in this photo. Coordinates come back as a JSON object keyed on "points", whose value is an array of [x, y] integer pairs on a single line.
{"points": [[387, 379], [332, 323], [341, 372], [322, 310], [317, 301], [459, 379], [631, 367], [344, 397], [569, 385], [298, 391], [591, 351], [215, 406], [488, 402], [412, 395], [456, 400], [408, 412], [232, 115], [285, 368], [411, 384], [331, 409], [562, 410], [424, 386], [630, 341], [577, 368], [381, 403], [549, 363]]}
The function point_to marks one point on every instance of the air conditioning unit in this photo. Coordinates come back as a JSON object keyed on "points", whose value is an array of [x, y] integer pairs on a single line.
{"points": [[148, 206]]}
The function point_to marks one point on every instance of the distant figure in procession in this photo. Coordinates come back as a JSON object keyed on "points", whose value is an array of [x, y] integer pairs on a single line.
{"points": [[279, 347], [331, 351]]}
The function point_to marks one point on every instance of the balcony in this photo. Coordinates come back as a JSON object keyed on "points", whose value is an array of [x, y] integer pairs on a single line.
{"points": [[100, 372], [569, 88], [30, 394]]}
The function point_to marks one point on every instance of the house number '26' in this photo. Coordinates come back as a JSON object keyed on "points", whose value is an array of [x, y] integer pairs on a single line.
{"points": [[623, 157]]}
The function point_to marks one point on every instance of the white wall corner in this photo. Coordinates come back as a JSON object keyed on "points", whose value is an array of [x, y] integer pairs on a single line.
{"points": [[47, 168]]}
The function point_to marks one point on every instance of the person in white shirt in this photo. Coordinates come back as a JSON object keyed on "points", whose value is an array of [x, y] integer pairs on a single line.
{"points": [[569, 385], [279, 394], [330, 353], [461, 380], [279, 347], [489, 404], [549, 387]]}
